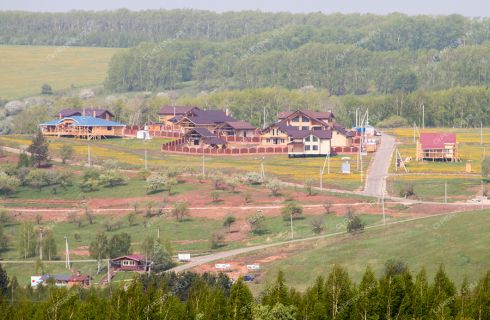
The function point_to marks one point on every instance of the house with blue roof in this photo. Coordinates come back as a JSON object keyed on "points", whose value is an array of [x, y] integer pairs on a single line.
{"points": [[83, 127]]}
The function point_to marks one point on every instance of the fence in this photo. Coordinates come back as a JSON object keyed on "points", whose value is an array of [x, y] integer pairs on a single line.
{"points": [[177, 147]]}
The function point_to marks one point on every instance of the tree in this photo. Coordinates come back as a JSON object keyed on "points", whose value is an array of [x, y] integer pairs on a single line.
{"points": [[120, 245], [49, 246], [240, 302], [89, 215], [278, 292], [257, 223], [8, 184], [90, 180], [66, 153], [368, 305], [24, 161], [158, 253], [99, 248], [485, 168], [229, 220], [39, 149], [442, 293], [215, 194], [292, 209], [277, 312], [131, 219], [217, 240], [4, 282], [327, 206], [317, 225], [37, 178], [3, 239], [180, 210], [46, 89], [354, 223], [309, 186], [111, 178], [27, 240], [338, 292], [274, 186]]}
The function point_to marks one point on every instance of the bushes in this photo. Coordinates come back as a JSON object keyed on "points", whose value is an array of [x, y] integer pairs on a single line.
{"points": [[317, 225], [407, 190], [8, 184], [217, 240], [393, 121], [292, 209], [354, 223]]}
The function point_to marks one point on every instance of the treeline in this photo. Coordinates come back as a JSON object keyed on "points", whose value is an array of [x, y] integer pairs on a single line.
{"points": [[124, 28], [339, 68], [397, 294]]}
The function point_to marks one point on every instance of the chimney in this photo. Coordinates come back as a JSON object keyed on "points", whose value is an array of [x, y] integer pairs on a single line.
{"points": [[227, 112]]}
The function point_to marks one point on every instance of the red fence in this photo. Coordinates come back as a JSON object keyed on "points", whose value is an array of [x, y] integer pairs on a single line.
{"points": [[337, 150], [178, 148]]}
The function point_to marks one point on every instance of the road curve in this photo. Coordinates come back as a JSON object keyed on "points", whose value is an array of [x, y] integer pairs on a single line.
{"points": [[376, 177]]}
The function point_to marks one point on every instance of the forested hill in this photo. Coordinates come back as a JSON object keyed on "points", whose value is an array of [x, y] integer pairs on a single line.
{"points": [[124, 28]]}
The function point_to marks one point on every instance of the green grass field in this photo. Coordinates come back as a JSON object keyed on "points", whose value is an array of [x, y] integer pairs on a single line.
{"points": [[26, 68], [459, 241]]}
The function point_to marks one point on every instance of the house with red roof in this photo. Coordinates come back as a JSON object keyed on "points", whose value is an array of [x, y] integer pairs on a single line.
{"points": [[437, 147]]}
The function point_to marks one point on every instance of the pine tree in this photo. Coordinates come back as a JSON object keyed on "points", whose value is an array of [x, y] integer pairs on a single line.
{"points": [[39, 149], [240, 301], [482, 298], [312, 306], [367, 305], [442, 295], [278, 292], [4, 282], [395, 288], [420, 295]]}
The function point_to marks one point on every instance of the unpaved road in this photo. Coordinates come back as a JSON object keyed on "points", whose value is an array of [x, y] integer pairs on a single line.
{"points": [[376, 178]]}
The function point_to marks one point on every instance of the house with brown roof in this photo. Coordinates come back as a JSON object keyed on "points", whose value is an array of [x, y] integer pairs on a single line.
{"points": [[204, 138], [309, 143], [167, 115], [437, 147], [89, 112], [133, 262], [236, 129], [289, 123]]}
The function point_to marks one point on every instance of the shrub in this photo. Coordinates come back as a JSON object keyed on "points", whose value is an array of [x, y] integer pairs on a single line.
{"points": [[217, 240], [317, 225], [8, 184], [354, 223], [216, 195], [229, 220], [257, 223], [309, 187], [46, 89], [254, 178], [180, 210], [327, 206], [274, 186], [247, 197], [407, 190]]}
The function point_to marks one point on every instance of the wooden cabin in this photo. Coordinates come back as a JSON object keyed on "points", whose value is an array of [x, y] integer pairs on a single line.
{"points": [[241, 129], [132, 262], [204, 138], [437, 147], [96, 113], [208, 119], [83, 127]]}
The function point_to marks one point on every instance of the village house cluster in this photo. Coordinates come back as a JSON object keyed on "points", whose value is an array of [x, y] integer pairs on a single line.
{"points": [[299, 133]]}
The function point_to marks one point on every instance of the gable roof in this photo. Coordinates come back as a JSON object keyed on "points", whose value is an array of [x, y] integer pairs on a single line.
{"points": [[83, 112], [204, 117], [179, 110], [343, 130], [301, 134], [134, 257], [318, 115], [203, 132], [82, 121], [436, 140], [239, 125]]}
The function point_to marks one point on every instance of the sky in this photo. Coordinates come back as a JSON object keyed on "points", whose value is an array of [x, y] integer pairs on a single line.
{"points": [[470, 8]]}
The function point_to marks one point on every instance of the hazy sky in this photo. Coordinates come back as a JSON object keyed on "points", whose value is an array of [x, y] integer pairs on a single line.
{"points": [[472, 8]]}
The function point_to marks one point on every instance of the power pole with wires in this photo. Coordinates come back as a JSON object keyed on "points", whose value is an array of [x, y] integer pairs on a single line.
{"points": [[67, 254]]}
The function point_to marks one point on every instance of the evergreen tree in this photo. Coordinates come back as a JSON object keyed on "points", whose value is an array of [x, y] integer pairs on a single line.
{"points": [[24, 161], [277, 292], [395, 289], [442, 295], [240, 301], [367, 305], [464, 301], [481, 308], [4, 282], [39, 149], [420, 295]]}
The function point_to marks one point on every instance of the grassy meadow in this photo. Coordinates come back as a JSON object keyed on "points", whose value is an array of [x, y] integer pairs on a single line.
{"points": [[26, 68], [459, 241], [130, 153], [429, 178]]}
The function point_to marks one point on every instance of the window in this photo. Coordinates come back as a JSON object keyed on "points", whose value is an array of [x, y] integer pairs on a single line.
{"points": [[307, 139], [305, 128], [317, 128], [315, 139], [282, 140], [268, 140], [315, 148], [296, 119], [109, 128], [307, 148]]}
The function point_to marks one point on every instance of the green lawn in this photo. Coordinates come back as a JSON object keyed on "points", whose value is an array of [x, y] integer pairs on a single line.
{"points": [[460, 242], [26, 68]]}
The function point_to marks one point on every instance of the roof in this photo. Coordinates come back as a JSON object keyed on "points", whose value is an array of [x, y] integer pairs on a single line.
{"points": [[82, 121], [343, 130], [301, 134], [134, 257], [310, 113], [202, 117], [436, 140], [240, 125], [203, 132], [214, 140], [86, 112], [169, 110], [57, 277]]}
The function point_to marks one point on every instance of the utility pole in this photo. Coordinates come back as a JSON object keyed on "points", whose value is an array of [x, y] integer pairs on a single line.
{"points": [[423, 116], [89, 160], [202, 161], [158, 232], [41, 243], [67, 254], [321, 180], [383, 206], [292, 231], [108, 270], [445, 191], [481, 132], [146, 159], [262, 170]]}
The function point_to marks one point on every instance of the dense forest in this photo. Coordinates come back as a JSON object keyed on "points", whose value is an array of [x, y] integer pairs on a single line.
{"points": [[394, 64], [397, 294]]}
